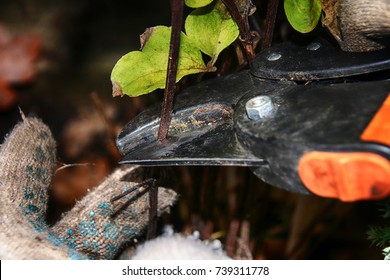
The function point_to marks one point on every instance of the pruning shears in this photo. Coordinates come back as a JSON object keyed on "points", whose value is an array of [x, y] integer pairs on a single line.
{"points": [[307, 118]]}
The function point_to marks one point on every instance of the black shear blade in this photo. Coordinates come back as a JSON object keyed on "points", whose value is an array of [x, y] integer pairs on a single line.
{"points": [[199, 135], [202, 130]]}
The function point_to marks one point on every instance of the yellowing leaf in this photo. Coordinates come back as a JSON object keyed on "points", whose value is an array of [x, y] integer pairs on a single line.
{"points": [[211, 29], [141, 72], [303, 15], [197, 3]]}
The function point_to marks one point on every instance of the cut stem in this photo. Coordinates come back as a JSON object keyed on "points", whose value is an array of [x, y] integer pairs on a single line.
{"points": [[269, 24], [177, 7]]}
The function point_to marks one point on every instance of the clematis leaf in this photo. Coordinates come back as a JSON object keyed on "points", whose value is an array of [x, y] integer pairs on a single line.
{"points": [[303, 15], [141, 72], [197, 3], [211, 29]]}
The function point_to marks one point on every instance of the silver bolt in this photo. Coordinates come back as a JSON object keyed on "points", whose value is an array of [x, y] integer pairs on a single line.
{"points": [[313, 46], [274, 56], [259, 107]]}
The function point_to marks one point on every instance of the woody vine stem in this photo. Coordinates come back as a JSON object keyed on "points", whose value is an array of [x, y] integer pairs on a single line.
{"points": [[177, 7]]}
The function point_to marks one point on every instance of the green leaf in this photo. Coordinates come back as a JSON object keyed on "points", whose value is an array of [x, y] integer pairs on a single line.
{"points": [[303, 15], [197, 3], [211, 29], [141, 72], [379, 236]]}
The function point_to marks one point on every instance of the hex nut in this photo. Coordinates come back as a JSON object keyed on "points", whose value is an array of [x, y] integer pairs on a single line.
{"points": [[259, 107]]}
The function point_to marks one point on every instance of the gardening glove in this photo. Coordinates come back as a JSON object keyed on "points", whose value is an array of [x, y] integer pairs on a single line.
{"points": [[358, 25], [93, 229]]}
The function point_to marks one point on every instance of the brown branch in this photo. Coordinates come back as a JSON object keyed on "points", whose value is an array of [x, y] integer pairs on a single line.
{"points": [[269, 24], [153, 204], [243, 251], [232, 237], [243, 25], [177, 7]]}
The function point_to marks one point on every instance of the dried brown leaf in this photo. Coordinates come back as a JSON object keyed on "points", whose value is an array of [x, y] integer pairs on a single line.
{"points": [[331, 18]]}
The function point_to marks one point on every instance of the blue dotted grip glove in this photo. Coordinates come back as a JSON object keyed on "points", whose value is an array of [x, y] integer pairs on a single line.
{"points": [[90, 230]]}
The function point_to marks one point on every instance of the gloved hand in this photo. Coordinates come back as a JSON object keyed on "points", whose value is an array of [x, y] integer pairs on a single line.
{"points": [[89, 230]]}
